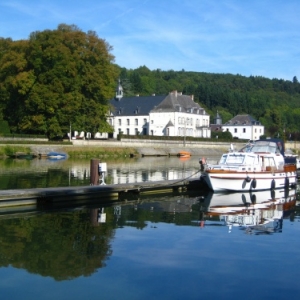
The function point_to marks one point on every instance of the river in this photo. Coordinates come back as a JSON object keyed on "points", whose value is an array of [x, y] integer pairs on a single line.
{"points": [[188, 246]]}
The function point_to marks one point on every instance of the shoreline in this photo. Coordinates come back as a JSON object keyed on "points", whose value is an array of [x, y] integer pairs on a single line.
{"points": [[128, 147]]}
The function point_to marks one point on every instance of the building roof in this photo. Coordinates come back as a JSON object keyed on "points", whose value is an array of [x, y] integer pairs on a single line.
{"points": [[242, 120], [136, 105], [132, 106], [177, 102]]}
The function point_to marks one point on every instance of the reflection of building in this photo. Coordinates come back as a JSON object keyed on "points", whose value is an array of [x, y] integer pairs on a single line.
{"points": [[142, 170]]}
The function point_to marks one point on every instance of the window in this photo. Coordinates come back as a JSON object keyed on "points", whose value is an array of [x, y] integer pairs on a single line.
{"points": [[244, 130], [127, 131], [145, 121], [235, 130], [136, 121], [136, 131], [255, 130], [120, 122], [151, 121], [128, 122]]}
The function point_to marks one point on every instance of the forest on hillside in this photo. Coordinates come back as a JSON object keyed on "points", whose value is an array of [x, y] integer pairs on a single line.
{"points": [[66, 76], [274, 102]]}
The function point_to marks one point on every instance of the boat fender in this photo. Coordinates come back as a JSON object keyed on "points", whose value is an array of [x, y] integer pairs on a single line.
{"points": [[253, 183], [273, 184], [286, 193], [244, 199], [244, 184], [248, 179], [253, 199], [272, 194], [286, 183]]}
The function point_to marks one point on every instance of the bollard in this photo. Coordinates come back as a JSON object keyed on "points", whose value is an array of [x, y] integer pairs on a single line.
{"points": [[94, 171]]}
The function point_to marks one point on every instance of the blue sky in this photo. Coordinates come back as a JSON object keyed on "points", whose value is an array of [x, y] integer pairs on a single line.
{"points": [[247, 37]]}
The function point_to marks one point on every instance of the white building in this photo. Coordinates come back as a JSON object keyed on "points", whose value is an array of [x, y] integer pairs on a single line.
{"points": [[244, 127], [171, 115]]}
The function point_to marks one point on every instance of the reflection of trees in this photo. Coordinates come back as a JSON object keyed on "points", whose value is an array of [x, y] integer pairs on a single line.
{"points": [[60, 245]]}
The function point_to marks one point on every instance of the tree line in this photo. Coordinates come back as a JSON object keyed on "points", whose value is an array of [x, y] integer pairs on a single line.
{"points": [[62, 77], [273, 102]]}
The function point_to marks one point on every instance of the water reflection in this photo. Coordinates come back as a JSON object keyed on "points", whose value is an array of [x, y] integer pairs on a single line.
{"points": [[256, 213], [45, 173], [76, 242]]}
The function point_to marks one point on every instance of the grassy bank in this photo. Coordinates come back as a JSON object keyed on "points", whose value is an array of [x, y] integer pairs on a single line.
{"points": [[94, 152], [73, 152], [9, 150]]}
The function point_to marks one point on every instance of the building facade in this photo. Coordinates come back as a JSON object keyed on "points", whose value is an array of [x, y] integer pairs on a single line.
{"points": [[244, 127], [171, 115]]}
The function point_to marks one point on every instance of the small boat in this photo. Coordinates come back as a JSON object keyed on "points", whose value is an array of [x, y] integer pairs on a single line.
{"points": [[258, 166], [184, 154], [56, 155]]}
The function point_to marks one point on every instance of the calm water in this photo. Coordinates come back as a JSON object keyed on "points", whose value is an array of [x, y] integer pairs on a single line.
{"points": [[160, 247]]}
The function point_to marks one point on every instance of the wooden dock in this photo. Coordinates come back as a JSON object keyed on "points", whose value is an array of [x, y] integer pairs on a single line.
{"points": [[70, 196]]}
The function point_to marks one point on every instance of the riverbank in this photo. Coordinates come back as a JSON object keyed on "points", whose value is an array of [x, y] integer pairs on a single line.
{"points": [[128, 147]]}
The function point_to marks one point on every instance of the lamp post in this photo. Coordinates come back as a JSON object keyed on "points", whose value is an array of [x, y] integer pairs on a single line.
{"points": [[70, 134]]}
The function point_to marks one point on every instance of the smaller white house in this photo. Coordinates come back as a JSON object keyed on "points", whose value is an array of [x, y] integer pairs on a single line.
{"points": [[244, 127]]}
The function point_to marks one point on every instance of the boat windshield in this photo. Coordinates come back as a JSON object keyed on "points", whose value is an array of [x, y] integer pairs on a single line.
{"points": [[269, 147], [223, 159]]}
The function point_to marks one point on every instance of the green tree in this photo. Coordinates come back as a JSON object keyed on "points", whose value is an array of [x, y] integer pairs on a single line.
{"points": [[56, 78]]}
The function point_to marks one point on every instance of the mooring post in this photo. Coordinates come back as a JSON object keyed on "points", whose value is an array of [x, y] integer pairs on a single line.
{"points": [[94, 171]]}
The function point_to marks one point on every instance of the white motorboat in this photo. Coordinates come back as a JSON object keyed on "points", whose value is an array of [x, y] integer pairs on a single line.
{"points": [[259, 166]]}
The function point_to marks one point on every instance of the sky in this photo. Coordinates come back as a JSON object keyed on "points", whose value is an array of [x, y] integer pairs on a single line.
{"points": [[246, 37]]}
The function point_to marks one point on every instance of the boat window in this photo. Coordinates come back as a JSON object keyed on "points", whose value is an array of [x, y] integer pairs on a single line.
{"points": [[250, 160], [269, 162], [235, 159], [223, 159]]}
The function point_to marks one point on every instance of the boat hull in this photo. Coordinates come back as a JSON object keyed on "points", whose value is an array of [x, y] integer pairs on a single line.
{"points": [[226, 181]]}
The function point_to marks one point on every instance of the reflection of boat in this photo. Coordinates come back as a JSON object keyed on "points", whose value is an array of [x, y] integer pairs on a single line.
{"points": [[184, 154], [56, 155], [22, 155], [184, 158], [259, 212], [258, 166]]}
